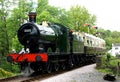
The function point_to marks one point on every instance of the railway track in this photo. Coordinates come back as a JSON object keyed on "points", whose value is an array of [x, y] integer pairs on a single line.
{"points": [[35, 76], [10, 79]]}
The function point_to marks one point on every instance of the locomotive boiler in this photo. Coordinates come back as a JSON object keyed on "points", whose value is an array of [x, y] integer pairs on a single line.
{"points": [[34, 36], [52, 46]]}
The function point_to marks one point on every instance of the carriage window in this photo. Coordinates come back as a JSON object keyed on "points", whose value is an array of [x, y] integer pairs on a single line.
{"points": [[80, 38], [83, 38], [116, 48], [75, 37], [91, 43], [88, 42], [97, 43]]}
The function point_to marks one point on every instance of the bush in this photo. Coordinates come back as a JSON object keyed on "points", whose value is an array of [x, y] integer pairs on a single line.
{"points": [[4, 73], [106, 70], [109, 64], [114, 63], [9, 66]]}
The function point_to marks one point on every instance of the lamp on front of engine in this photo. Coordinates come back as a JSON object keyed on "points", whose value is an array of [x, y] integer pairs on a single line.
{"points": [[38, 58], [10, 59]]}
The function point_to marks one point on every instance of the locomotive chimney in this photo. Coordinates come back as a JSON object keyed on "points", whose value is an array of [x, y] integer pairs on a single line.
{"points": [[32, 16]]}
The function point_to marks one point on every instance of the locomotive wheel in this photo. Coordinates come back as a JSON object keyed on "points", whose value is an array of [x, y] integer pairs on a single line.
{"points": [[79, 62], [26, 69], [71, 63], [49, 68], [63, 66], [83, 61], [76, 62], [56, 67], [93, 59], [33, 66]]}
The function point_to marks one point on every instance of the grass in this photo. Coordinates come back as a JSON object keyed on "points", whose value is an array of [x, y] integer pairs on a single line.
{"points": [[4, 74], [106, 70]]}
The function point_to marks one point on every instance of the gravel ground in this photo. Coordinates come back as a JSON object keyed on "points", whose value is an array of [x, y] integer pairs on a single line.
{"points": [[82, 74]]}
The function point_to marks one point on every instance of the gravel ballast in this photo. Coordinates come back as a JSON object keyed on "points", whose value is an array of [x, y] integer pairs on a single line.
{"points": [[82, 74]]}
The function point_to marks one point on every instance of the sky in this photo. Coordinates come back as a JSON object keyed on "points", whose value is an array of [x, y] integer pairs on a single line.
{"points": [[106, 11]]}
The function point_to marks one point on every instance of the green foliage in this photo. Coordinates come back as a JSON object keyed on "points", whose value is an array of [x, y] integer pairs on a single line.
{"points": [[44, 16], [106, 70], [42, 5], [4, 37], [106, 59], [104, 63], [10, 20], [114, 62], [4, 73], [49, 13], [16, 44], [8, 66], [108, 42], [109, 64], [41, 10], [79, 16]]}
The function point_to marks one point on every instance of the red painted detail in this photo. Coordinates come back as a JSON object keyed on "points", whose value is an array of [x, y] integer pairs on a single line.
{"points": [[14, 56], [95, 27], [29, 57], [85, 25]]}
